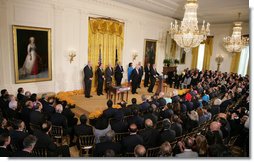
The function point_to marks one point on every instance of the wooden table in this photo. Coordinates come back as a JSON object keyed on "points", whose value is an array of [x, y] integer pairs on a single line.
{"points": [[117, 90]]}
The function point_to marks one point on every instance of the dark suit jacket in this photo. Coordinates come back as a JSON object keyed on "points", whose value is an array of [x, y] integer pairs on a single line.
{"points": [[143, 106], [17, 137], [119, 126], [22, 154], [83, 130], [5, 153], [70, 116], [108, 74], [100, 74], [59, 120], [44, 141], [109, 112], [153, 74], [119, 72], [147, 69], [177, 128], [88, 72], [141, 71], [100, 148], [131, 141], [138, 120], [151, 137], [21, 97], [135, 76], [162, 102], [126, 111], [167, 135], [47, 108], [37, 118]]}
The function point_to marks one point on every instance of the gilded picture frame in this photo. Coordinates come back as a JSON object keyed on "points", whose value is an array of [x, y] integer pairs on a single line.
{"points": [[32, 54], [150, 51], [182, 56]]}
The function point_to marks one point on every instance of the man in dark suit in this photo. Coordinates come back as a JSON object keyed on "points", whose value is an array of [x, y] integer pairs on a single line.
{"points": [[25, 113], [18, 134], [5, 140], [58, 119], [28, 146], [108, 143], [36, 116], [137, 119], [118, 74], [109, 72], [144, 105], [83, 128], [129, 142], [167, 134], [20, 96], [135, 80], [47, 108], [153, 74], [88, 77], [147, 74], [45, 141], [4, 102], [100, 79], [150, 135], [141, 72], [109, 112]]}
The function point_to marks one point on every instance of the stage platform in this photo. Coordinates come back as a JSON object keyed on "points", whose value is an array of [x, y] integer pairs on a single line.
{"points": [[88, 105]]}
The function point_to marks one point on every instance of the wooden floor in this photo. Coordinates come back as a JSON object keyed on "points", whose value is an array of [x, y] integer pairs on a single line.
{"points": [[88, 105]]}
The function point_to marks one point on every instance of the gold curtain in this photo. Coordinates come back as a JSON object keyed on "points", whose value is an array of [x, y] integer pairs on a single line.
{"points": [[194, 57], [235, 62], [107, 35], [173, 48], [208, 52]]}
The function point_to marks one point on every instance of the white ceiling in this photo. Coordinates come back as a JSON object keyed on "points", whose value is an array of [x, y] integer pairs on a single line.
{"points": [[213, 11]]}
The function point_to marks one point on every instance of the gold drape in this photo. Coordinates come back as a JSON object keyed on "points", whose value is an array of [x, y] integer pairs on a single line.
{"points": [[235, 62], [108, 35], [173, 48], [208, 52], [194, 57]]}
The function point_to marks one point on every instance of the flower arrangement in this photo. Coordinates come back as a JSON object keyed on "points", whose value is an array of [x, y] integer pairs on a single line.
{"points": [[95, 114], [66, 96]]}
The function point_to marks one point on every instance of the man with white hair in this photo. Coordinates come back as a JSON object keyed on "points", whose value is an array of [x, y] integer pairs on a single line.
{"points": [[58, 119], [88, 77]]}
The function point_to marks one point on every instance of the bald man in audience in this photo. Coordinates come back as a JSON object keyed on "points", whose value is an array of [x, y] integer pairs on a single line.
{"points": [[139, 151], [165, 149], [150, 135], [129, 142]]}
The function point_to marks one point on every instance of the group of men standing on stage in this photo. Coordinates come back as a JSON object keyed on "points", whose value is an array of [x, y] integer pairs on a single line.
{"points": [[102, 76], [134, 77]]}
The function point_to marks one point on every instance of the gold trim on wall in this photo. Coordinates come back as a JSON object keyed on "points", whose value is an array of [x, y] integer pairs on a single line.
{"points": [[15, 52]]}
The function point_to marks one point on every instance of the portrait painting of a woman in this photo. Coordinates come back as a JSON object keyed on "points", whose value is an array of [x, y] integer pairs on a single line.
{"points": [[32, 54]]}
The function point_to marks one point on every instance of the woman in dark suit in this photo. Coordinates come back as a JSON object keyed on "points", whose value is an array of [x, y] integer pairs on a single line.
{"points": [[100, 76]]}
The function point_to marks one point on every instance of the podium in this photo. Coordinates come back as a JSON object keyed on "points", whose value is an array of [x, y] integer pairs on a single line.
{"points": [[116, 91], [160, 84]]}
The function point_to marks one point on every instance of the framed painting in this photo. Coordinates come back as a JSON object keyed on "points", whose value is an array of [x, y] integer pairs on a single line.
{"points": [[32, 54], [150, 51], [182, 56]]}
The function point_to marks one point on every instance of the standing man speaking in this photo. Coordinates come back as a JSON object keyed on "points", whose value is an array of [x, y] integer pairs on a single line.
{"points": [[88, 77]]}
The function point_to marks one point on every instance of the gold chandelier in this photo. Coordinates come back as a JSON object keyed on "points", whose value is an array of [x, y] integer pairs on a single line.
{"points": [[188, 35], [236, 42]]}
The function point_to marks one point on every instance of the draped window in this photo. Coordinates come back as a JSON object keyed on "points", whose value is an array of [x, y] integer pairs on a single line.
{"points": [[207, 53], [107, 36]]}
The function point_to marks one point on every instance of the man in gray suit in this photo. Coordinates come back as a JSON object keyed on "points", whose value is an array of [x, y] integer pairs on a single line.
{"points": [[186, 149]]}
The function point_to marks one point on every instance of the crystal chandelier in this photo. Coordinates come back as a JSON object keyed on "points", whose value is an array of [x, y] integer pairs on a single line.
{"points": [[236, 42], [188, 35]]}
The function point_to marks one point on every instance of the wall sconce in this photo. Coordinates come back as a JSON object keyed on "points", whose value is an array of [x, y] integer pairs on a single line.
{"points": [[219, 59], [134, 55], [72, 54]]}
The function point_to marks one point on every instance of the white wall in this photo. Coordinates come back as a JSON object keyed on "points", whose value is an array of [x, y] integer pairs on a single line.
{"points": [[219, 31], [69, 23]]}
